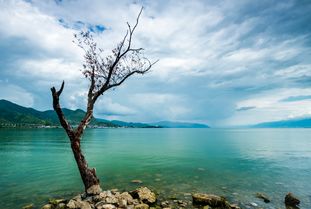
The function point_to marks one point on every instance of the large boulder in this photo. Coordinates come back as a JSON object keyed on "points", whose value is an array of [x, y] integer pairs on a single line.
{"points": [[291, 200], [211, 200], [145, 195]]}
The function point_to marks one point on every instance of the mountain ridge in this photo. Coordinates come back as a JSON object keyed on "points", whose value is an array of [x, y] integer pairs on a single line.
{"points": [[14, 115]]}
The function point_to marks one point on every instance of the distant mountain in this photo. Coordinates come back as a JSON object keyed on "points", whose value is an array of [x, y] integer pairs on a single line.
{"points": [[291, 123], [170, 124], [14, 115]]}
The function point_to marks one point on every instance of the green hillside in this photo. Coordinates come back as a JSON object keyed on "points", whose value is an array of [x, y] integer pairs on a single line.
{"points": [[13, 115]]}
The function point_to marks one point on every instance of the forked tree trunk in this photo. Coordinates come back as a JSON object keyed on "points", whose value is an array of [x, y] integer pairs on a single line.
{"points": [[88, 175]]}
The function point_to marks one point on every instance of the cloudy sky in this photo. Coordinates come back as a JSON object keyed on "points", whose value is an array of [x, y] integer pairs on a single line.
{"points": [[222, 62]]}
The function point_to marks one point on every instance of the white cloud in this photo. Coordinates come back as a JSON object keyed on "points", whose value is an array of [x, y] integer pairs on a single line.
{"points": [[16, 94]]}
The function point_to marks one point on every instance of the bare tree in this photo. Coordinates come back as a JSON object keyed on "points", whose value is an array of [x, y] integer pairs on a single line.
{"points": [[103, 74]]}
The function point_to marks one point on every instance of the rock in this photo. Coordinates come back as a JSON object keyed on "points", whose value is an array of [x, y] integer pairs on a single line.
{"points": [[201, 169], [209, 199], [234, 206], [94, 190], [29, 206], [141, 206], [137, 181], [145, 195], [291, 200], [253, 204], [105, 206], [56, 201], [73, 204], [47, 206], [61, 206], [182, 203], [111, 200], [207, 207], [165, 204], [125, 196], [264, 197]]}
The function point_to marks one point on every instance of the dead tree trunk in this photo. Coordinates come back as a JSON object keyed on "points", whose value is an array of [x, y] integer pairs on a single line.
{"points": [[88, 175], [103, 74]]}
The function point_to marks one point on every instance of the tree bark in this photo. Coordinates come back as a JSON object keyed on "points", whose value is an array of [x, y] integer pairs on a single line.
{"points": [[88, 175]]}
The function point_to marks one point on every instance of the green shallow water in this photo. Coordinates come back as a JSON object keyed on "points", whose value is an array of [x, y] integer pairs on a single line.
{"points": [[37, 164]]}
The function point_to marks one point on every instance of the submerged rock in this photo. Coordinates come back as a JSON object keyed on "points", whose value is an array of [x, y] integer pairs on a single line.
{"points": [[137, 181], [291, 200], [211, 200], [264, 197], [29, 206], [56, 201]]}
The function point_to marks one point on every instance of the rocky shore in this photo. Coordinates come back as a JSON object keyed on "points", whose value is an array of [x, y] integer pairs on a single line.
{"points": [[144, 198]]}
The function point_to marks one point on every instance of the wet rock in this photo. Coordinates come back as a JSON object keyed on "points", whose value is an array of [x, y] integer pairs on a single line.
{"points": [[56, 201], [141, 206], [234, 206], [29, 206], [61, 206], [291, 200], [145, 195], [137, 181], [182, 203], [264, 197], [94, 190], [165, 204], [47, 206], [209, 199]]}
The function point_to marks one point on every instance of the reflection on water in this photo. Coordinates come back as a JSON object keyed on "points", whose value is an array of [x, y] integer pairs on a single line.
{"points": [[236, 163]]}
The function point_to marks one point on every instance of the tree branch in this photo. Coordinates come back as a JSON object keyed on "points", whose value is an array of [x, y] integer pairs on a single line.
{"points": [[63, 121]]}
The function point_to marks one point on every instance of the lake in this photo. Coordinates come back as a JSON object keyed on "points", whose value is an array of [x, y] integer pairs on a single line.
{"points": [[37, 164]]}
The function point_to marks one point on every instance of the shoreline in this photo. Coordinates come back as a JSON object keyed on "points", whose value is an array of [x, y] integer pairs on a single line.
{"points": [[144, 198]]}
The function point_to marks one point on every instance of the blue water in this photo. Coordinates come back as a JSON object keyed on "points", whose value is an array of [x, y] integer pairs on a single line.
{"points": [[37, 164]]}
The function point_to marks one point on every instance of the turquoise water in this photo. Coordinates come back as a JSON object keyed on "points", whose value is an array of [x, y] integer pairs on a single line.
{"points": [[37, 164]]}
